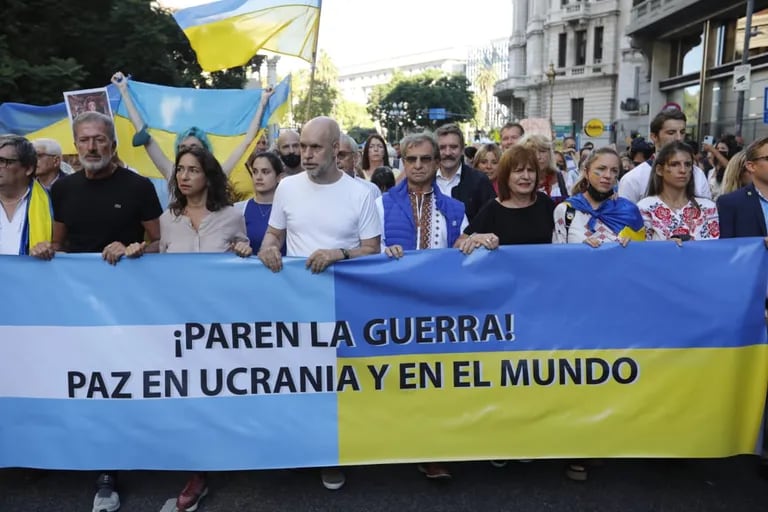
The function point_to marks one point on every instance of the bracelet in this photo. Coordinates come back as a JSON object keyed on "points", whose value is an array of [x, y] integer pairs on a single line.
{"points": [[345, 253], [141, 137]]}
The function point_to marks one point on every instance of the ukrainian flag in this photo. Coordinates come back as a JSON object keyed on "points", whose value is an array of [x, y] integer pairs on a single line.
{"points": [[224, 114], [228, 33]]}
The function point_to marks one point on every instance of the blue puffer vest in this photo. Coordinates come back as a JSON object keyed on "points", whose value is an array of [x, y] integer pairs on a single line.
{"points": [[399, 225]]}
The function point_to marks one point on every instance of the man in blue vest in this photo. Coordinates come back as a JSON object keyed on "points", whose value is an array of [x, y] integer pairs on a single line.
{"points": [[415, 214]]}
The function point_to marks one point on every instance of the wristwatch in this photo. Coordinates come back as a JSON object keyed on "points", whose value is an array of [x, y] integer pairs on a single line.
{"points": [[345, 253]]}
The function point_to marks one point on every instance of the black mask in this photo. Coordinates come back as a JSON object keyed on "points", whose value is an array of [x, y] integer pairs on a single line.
{"points": [[291, 160], [597, 195]]}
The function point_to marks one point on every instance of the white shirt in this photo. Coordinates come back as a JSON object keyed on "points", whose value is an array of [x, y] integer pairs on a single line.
{"points": [[12, 230], [446, 185], [337, 215], [439, 230], [375, 190], [634, 184]]}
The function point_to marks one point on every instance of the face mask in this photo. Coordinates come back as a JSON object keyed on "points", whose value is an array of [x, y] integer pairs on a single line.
{"points": [[597, 195], [291, 160]]}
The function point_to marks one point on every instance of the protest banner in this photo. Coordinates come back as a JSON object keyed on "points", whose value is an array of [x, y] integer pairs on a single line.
{"points": [[212, 362]]}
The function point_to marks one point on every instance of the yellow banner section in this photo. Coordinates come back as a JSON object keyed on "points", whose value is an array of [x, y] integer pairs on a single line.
{"points": [[138, 158], [698, 402]]}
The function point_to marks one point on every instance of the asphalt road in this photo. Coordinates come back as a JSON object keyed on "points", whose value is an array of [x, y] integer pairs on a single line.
{"points": [[731, 485]]}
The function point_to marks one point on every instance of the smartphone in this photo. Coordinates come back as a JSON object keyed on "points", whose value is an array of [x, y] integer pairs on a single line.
{"points": [[708, 140]]}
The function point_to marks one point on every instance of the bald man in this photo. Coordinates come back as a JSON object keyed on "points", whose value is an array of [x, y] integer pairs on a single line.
{"points": [[324, 215], [288, 149]]}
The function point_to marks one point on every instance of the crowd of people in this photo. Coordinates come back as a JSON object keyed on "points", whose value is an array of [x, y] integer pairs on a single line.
{"points": [[317, 196]]}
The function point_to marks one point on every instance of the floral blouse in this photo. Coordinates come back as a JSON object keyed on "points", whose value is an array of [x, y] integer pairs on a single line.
{"points": [[663, 222]]}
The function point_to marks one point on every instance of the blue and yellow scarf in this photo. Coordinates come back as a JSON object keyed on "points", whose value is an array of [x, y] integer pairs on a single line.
{"points": [[620, 215], [38, 224]]}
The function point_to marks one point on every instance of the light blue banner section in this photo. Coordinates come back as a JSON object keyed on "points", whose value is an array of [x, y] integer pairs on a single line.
{"points": [[160, 289], [221, 433]]}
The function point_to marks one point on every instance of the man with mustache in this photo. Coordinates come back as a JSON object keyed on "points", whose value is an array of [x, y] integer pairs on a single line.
{"points": [[458, 180]]}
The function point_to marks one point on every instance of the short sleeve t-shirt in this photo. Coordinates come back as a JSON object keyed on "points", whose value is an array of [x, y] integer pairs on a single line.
{"points": [[530, 225], [99, 212], [328, 216]]}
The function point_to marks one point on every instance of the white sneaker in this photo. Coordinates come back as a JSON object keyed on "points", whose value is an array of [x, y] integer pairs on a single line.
{"points": [[333, 478], [103, 502]]}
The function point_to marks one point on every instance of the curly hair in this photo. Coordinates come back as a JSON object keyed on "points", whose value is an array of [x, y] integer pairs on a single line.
{"points": [[219, 191]]}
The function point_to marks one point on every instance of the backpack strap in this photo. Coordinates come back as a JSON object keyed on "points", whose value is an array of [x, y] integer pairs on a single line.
{"points": [[561, 185], [570, 213]]}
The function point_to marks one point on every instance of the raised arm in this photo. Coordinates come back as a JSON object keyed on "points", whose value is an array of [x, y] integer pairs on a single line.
{"points": [[153, 149], [253, 130]]}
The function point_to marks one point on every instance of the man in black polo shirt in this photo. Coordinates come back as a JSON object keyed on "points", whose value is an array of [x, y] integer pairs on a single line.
{"points": [[102, 209], [105, 207]]}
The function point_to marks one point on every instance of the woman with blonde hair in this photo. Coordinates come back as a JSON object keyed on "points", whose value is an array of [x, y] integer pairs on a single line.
{"points": [[487, 160], [736, 175], [551, 181]]}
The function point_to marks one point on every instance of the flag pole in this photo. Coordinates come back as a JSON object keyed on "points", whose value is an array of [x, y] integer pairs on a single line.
{"points": [[314, 61]]}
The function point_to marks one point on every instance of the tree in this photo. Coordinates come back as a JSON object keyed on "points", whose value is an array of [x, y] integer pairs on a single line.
{"points": [[349, 114], [485, 80], [405, 105], [79, 44], [324, 94]]}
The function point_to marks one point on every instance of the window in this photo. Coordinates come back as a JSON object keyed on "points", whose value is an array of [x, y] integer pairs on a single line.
{"points": [[758, 40], [598, 54], [581, 47], [562, 45], [577, 114]]}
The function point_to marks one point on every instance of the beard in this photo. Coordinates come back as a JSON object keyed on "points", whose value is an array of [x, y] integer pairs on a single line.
{"points": [[95, 167]]}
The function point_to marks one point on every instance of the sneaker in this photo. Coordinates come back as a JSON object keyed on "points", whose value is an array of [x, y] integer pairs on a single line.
{"points": [[434, 471], [499, 463], [333, 478], [195, 490], [577, 472], [106, 499]]}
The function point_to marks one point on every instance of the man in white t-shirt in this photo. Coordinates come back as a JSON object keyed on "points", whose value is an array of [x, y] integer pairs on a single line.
{"points": [[325, 215], [668, 126]]}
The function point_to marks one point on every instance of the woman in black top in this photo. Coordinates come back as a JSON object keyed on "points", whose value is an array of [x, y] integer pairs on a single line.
{"points": [[520, 214]]}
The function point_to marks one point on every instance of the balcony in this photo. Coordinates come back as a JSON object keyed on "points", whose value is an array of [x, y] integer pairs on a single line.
{"points": [[663, 19], [575, 13]]}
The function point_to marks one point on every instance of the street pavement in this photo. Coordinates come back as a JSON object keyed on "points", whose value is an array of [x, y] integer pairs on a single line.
{"points": [[728, 485]]}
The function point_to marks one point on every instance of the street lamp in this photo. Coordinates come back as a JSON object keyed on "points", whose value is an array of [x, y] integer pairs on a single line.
{"points": [[551, 74], [398, 111]]}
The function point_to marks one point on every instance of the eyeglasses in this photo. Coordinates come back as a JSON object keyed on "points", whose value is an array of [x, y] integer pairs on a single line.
{"points": [[425, 159], [760, 158], [6, 162], [345, 154], [41, 155]]}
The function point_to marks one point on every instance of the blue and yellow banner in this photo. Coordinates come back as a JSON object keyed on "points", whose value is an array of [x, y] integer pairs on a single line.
{"points": [[224, 114], [228, 33], [523, 352]]}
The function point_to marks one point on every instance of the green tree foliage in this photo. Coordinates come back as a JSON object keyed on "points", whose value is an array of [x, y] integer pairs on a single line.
{"points": [[324, 94], [350, 114], [51, 46], [360, 134], [403, 104]]}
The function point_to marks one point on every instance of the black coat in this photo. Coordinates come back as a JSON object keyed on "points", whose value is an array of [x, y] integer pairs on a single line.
{"points": [[474, 190]]}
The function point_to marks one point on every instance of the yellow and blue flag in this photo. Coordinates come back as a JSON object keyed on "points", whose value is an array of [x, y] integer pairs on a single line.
{"points": [[228, 33], [224, 114]]}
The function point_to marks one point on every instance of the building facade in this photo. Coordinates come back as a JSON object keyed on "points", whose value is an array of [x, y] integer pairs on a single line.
{"points": [[357, 82], [581, 40], [487, 64], [690, 49]]}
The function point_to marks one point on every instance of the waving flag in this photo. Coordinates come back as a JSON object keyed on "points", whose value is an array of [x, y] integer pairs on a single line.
{"points": [[228, 33], [224, 114]]}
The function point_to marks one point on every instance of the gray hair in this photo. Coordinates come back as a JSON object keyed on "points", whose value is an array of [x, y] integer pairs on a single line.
{"points": [[48, 146], [25, 151], [347, 139], [415, 139], [90, 117]]}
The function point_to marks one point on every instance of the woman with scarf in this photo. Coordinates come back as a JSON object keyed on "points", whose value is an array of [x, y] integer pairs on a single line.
{"points": [[594, 215]]}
